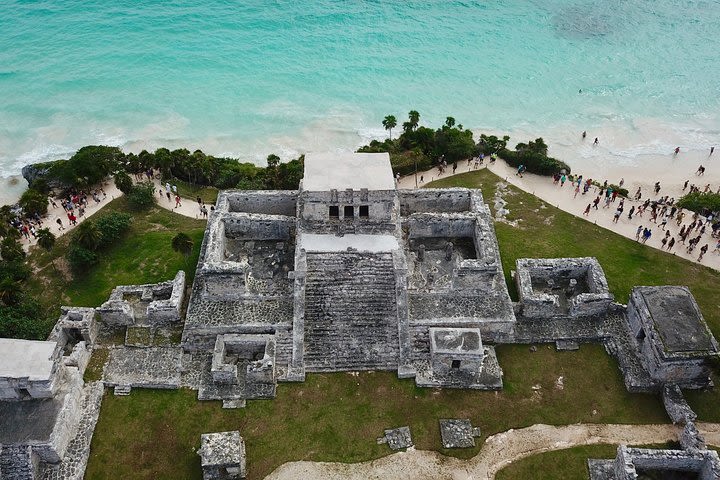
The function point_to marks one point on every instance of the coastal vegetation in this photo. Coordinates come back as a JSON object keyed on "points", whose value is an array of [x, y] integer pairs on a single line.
{"points": [[702, 203], [154, 434], [420, 148], [94, 163]]}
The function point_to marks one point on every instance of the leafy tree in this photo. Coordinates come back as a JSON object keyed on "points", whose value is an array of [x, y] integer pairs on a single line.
{"points": [[142, 196], [183, 244], [87, 235], [46, 239], [33, 201], [89, 166], [389, 122], [450, 122], [11, 250], [21, 321], [163, 161], [123, 182]]}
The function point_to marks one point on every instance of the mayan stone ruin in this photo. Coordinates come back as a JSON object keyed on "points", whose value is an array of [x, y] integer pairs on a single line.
{"points": [[347, 273]]}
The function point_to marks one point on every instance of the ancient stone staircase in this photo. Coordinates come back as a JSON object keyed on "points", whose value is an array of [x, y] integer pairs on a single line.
{"points": [[350, 312]]}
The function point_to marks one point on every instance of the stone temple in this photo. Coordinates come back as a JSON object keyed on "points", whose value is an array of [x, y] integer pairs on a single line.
{"points": [[348, 273]]}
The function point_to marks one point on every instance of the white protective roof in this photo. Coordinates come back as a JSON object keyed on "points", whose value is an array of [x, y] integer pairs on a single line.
{"points": [[340, 171], [312, 242], [26, 358]]}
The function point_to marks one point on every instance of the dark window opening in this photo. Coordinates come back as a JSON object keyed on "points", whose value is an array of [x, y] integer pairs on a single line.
{"points": [[349, 211], [364, 211], [23, 393], [640, 335], [334, 211], [455, 364]]}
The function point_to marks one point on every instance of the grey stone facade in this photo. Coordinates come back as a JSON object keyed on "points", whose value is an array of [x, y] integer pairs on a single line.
{"points": [[348, 273], [45, 404], [222, 456], [634, 463], [672, 338]]}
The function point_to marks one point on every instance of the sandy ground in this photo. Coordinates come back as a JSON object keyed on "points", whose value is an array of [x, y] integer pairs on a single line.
{"points": [[187, 207], [564, 198], [498, 451]]}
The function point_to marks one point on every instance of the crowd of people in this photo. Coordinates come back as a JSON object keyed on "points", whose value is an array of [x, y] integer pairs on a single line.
{"points": [[658, 212], [74, 204]]}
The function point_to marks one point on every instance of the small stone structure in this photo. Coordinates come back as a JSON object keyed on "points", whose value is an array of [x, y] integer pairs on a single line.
{"points": [[153, 305], [550, 287], [397, 438], [29, 369], [458, 359], [222, 456], [458, 433], [673, 341], [634, 463], [47, 415]]}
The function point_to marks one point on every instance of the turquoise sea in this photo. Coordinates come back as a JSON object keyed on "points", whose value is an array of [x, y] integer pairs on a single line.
{"points": [[257, 77]]}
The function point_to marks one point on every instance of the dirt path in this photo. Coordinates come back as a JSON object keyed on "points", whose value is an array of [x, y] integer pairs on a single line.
{"points": [[498, 451], [188, 208]]}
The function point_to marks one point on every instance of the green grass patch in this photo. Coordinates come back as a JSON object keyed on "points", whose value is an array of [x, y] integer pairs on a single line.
{"points": [[337, 417]]}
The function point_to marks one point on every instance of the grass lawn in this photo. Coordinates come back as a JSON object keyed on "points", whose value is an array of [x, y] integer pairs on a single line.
{"points": [[154, 434], [143, 255]]}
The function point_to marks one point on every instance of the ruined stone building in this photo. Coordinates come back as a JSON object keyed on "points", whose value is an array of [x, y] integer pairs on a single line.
{"points": [[47, 413], [349, 273]]}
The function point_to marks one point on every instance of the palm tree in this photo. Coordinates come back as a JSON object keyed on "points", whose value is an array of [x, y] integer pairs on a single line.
{"points": [[449, 122], [389, 122], [10, 291], [414, 118], [181, 243], [46, 240], [88, 235]]}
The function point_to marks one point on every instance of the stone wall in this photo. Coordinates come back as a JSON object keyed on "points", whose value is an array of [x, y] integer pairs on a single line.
{"points": [[381, 219], [434, 200], [586, 270], [264, 202]]}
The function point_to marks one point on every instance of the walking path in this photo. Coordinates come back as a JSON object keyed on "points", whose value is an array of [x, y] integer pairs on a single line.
{"points": [[563, 198], [498, 451], [188, 208]]}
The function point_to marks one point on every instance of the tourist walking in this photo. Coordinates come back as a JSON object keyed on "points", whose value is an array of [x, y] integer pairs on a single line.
{"points": [[638, 232], [587, 209]]}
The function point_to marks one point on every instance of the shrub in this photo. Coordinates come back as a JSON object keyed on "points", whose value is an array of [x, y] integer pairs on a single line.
{"points": [[87, 167], [112, 226], [123, 182], [33, 201], [80, 258], [142, 196], [87, 235], [703, 203], [21, 321]]}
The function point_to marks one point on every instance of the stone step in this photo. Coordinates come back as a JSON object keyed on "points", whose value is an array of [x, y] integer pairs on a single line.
{"points": [[122, 390]]}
